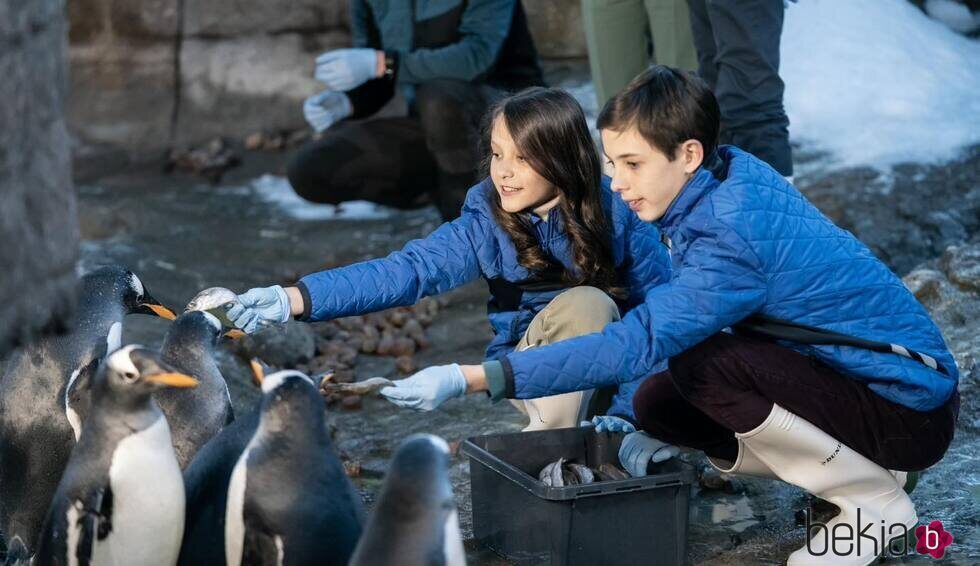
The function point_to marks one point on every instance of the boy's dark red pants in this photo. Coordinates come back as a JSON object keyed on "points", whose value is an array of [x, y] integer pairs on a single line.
{"points": [[729, 383]]}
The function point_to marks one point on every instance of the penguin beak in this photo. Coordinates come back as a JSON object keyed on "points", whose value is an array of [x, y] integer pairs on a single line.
{"points": [[258, 372], [179, 380], [154, 307], [234, 334]]}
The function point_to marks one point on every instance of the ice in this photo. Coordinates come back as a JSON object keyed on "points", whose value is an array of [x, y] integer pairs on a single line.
{"points": [[276, 191]]}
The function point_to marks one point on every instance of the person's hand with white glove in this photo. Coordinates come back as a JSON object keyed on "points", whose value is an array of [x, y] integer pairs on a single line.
{"points": [[258, 308], [609, 423], [639, 449], [428, 388], [346, 69], [326, 108]]}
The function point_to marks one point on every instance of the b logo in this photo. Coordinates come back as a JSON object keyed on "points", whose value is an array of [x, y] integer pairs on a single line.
{"points": [[932, 539]]}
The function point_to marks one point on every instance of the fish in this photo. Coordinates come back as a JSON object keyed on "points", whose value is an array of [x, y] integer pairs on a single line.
{"points": [[611, 472], [360, 388], [216, 301], [561, 473], [582, 473]]}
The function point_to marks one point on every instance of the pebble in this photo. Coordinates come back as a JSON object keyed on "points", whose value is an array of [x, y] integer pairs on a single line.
{"points": [[962, 264]]}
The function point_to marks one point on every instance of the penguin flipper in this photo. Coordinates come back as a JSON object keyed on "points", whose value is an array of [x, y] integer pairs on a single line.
{"points": [[78, 395], [95, 523]]}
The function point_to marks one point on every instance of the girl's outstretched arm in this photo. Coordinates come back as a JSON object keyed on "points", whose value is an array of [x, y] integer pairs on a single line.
{"points": [[443, 260]]}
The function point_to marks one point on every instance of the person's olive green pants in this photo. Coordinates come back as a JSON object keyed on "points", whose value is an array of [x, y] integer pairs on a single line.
{"points": [[575, 312], [617, 33]]}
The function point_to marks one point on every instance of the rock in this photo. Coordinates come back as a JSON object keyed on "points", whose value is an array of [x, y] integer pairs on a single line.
{"points": [[38, 221], [405, 365], [232, 18], [962, 266], [229, 87], [113, 86], [281, 346], [924, 283], [351, 403]]}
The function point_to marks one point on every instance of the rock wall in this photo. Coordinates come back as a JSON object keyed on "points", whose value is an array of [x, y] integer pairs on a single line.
{"points": [[38, 223], [151, 74]]}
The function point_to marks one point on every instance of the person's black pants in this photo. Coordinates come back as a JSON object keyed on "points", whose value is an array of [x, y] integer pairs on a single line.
{"points": [[729, 383], [395, 161], [738, 56]]}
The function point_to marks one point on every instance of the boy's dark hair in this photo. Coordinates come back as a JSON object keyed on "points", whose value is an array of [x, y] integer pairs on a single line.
{"points": [[550, 129], [668, 107]]}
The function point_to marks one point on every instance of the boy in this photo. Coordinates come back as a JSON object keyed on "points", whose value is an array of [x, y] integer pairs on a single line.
{"points": [[859, 382]]}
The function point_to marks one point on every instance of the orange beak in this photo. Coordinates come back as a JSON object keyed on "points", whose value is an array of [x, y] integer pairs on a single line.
{"points": [[258, 374], [234, 334], [162, 311], [179, 380]]}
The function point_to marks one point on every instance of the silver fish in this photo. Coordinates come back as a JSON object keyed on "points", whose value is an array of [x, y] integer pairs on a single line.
{"points": [[360, 388], [582, 473], [214, 300]]}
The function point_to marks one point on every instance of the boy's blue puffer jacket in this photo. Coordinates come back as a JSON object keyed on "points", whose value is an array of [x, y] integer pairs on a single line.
{"points": [[474, 246], [753, 244]]}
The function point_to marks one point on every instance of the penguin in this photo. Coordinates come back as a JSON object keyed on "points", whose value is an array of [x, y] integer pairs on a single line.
{"points": [[206, 486], [33, 408], [414, 522], [289, 501], [121, 499], [195, 416]]}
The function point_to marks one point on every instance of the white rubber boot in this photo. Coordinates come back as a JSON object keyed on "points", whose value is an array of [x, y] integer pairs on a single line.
{"points": [[873, 506], [746, 464]]}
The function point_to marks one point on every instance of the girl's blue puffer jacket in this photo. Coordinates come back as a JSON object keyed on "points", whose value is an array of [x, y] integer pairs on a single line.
{"points": [[752, 244], [474, 246]]}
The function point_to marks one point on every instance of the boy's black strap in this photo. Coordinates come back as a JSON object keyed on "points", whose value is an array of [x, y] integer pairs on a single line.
{"points": [[779, 329]]}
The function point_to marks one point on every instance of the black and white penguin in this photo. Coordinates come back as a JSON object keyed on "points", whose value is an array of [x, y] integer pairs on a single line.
{"points": [[194, 416], [414, 522], [121, 499], [33, 410], [289, 501]]}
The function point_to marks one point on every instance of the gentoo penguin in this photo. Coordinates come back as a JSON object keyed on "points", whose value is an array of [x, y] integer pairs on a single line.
{"points": [[121, 499], [414, 522], [206, 486], [194, 416], [289, 501], [33, 412]]}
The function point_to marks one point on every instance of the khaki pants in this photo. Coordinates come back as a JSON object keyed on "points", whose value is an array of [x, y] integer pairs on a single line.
{"points": [[575, 312], [616, 33]]}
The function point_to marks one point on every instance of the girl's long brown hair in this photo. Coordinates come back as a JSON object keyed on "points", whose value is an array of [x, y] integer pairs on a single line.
{"points": [[549, 128]]}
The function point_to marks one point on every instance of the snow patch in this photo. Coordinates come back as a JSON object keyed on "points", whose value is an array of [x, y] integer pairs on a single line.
{"points": [[276, 191], [878, 82]]}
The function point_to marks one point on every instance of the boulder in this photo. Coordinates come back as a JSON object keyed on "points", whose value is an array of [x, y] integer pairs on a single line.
{"points": [[38, 219], [235, 86]]}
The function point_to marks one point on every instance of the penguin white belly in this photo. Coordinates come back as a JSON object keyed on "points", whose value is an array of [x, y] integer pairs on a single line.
{"points": [[148, 501], [235, 510]]}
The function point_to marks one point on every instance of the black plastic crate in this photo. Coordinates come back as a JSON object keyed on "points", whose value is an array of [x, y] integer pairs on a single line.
{"points": [[622, 522]]}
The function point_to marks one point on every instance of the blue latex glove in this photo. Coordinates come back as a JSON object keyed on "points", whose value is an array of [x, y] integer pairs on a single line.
{"points": [[346, 69], [260, 307], [326, 108], [428, 388], [609, 423], [639, 449]]}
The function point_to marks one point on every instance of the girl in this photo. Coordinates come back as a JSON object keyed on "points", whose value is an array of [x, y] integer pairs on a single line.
{"points": [[560, 255], [831, 374]]}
